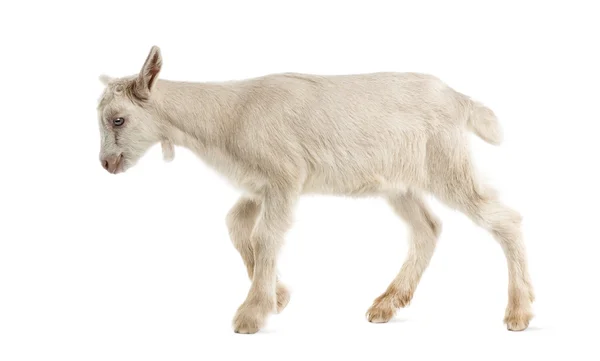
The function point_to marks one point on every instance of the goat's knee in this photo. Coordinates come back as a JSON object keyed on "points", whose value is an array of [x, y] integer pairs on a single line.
{"points": [[240, 220], [434, 223], [497, 217], [243, 214]]}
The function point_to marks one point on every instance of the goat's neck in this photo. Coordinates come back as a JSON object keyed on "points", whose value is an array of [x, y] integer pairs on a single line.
{"points": [[196, 115]]}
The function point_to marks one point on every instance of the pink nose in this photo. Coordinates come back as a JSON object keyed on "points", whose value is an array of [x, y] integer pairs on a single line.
{"points": [[111, 163]]}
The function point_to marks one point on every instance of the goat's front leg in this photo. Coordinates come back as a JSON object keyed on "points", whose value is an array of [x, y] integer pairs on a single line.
{"points": [[240, 222], [266, 240]]}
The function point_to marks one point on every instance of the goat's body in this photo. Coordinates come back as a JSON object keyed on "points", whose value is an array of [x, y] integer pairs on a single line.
{"points": [[396, 135], [344, 134]]}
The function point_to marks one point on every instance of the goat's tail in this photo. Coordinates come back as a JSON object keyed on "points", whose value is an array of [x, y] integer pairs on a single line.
{"points": [[482, 121]]}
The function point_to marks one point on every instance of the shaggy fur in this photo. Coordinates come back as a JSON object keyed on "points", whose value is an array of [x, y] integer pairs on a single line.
{"points": [[396, 135]]}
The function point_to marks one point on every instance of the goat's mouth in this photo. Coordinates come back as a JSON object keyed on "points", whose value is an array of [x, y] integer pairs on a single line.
{"points": [[120, 164], [114, 163]]}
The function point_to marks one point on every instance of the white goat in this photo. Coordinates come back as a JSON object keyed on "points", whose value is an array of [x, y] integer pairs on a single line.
{"points": [[397, 135]]}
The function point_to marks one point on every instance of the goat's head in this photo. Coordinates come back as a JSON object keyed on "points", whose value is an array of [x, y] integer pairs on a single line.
{"points": [[129, 121]]}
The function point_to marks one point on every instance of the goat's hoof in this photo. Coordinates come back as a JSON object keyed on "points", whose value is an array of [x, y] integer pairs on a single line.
{"points": [[517, 320], [517, 325], [246, 323], [380, 312], [283, 297], [250, 317]]}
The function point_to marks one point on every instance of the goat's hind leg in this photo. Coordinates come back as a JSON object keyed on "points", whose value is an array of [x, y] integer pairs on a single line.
{"points": [[241, 220], [425, 229], [459, 188], [505, 225]]}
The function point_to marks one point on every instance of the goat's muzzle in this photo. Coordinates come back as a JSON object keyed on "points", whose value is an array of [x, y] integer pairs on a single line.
{"points": [[112, 163]]}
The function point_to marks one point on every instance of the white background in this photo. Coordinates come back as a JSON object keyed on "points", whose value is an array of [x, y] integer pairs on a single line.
{"points": [[139, 266]]}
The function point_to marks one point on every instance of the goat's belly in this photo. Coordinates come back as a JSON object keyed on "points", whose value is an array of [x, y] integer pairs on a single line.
{"points": [[350, 185]]}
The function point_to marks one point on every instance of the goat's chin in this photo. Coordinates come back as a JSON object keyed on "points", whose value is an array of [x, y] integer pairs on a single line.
{"points": [[125, 165]]}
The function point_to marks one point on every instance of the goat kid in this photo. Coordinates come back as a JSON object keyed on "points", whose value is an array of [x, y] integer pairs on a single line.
{"points": [[396, 135]]}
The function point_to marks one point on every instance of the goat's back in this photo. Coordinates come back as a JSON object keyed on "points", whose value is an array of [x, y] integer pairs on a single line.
{"points": [[346, 134]]}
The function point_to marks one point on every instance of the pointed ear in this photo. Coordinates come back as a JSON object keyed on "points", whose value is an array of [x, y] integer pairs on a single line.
{"points": [[105, 79], [149, 73]]}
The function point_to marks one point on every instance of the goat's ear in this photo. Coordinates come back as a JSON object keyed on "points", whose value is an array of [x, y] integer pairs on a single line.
{"points": [[105, 79], [149, 73]]}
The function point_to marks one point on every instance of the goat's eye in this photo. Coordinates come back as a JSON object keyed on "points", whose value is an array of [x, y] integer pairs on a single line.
{"points": [[118, 122]]}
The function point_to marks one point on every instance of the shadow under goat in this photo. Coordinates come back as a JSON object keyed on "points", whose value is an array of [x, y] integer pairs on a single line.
{"points": [[395, 135]]}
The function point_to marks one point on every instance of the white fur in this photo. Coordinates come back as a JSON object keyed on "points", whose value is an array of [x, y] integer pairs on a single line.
{"points": [[396, 135]]}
